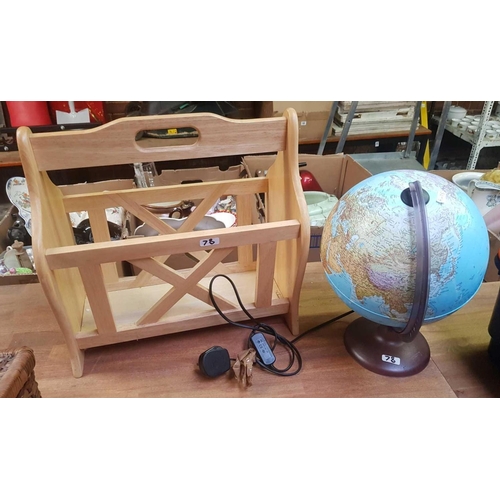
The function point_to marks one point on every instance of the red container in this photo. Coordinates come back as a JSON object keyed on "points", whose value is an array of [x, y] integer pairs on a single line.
{"points": [[96, 109], [308, 181], [29, 113]]}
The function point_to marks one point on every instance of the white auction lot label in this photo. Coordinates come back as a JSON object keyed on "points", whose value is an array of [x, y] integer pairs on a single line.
{"points": [[209, 242], [393, 360]]}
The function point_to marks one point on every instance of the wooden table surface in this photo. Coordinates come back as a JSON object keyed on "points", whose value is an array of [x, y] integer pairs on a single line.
{"points": [[167, 366]]}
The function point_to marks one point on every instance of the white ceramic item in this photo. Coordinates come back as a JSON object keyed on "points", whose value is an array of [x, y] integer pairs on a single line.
{"points": [[227, 218], [319, 206], [10, 259], [17, 192], [208, 222], [117, 215], [486, 195], [456, 112], [462, 179]]}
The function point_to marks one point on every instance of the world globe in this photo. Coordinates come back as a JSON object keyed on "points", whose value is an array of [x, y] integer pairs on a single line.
{"points": [[369, 248]]}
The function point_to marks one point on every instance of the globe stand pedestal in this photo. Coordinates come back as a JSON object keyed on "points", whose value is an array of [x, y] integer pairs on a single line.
{"points": [[383, 350]]}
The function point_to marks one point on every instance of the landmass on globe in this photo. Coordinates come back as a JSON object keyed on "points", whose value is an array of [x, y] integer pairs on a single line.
{"points": [[368, 247]]}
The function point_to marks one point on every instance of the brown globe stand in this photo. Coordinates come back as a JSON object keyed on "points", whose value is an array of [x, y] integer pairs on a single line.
{"points": [[390, 351]]}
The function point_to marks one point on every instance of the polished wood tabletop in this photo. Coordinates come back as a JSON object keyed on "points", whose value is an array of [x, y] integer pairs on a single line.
{"points": [[167, 366]]}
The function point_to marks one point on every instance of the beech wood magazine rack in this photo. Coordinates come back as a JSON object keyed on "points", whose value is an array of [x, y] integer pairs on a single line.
{"points": [[93, 306]]}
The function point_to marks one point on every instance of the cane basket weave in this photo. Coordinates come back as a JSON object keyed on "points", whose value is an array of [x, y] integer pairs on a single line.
{"points": [[17, 376]]}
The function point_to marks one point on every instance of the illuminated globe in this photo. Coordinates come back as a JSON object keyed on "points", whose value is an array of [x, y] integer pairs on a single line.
{"points": [[368, 248]]}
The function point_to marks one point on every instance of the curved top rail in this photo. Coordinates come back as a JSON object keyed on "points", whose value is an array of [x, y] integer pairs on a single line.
{"points": [[115, 143]]}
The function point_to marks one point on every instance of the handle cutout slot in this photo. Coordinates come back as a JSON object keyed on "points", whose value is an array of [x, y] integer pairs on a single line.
{"points": [[180, 136]]}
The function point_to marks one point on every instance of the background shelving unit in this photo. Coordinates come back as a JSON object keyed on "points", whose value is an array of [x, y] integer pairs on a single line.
{"points": [[478, 140]]}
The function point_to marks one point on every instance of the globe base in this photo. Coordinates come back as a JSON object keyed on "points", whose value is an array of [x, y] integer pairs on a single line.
{"points": [[381, 349]]}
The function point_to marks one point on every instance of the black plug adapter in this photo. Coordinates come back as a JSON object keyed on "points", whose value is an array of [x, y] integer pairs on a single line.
{"points": [[214, 362]]}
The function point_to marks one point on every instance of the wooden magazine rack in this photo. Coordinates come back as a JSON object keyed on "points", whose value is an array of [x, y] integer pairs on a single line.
{"points": [[93, 306]]}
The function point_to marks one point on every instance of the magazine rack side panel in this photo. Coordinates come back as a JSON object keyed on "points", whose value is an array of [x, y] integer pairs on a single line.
{"points": [[51, 228], [287, 201]]}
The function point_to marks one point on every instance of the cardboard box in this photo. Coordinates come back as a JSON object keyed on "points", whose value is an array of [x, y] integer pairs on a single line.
{"points": [[336, 174], [192, 175], [302, 106], [96, 187], [312, 117], [312, 126]]}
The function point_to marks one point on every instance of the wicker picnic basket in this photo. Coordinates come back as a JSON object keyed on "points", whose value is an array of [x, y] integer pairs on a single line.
{"points": [[17, 375]]}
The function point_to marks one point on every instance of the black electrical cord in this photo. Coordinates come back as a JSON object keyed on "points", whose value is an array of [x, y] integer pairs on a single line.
{"points": [[293, 352], [317, 327], [294, 355]]}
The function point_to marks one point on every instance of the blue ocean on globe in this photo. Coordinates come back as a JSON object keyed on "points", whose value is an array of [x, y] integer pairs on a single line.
{"points": [[368, 248]]}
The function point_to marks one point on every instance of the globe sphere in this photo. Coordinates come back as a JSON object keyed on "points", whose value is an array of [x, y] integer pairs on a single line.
{"points": [[368, 248]]}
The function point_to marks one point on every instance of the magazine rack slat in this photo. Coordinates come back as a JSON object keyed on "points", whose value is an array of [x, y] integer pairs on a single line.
{"points": [[92, 305]]}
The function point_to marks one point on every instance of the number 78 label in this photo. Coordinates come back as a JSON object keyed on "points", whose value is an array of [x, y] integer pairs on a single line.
{"points": [[209, 242], [392, 360]]}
